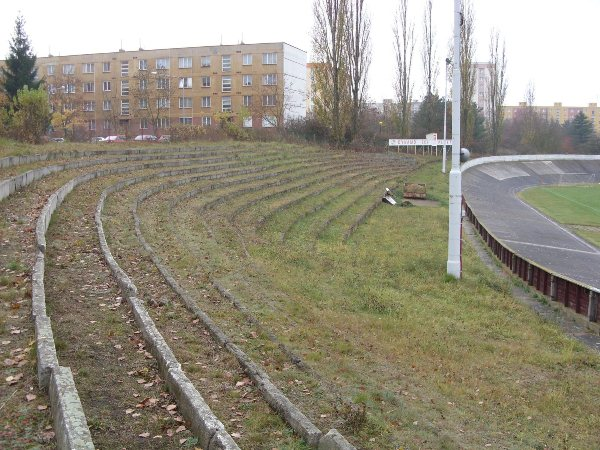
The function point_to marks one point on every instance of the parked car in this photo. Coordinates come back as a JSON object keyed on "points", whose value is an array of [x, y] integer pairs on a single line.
{"points": [[57, 139], [97, 139], [119, 138], [145, 137], [165, 138]]}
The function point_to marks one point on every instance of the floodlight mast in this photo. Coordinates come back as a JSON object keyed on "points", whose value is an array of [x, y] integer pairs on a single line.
{"points": [[454, 213]]}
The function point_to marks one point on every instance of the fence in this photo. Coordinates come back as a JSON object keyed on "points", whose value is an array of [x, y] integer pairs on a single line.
{"points": [[572, 294]]}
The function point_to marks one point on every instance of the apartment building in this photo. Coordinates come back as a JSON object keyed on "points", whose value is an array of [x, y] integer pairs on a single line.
{"points": [[256, 85], [558, 112]]}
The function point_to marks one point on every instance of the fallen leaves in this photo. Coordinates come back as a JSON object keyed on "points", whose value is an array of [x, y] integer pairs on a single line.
{"points": [[13, 379], [30, 397]]}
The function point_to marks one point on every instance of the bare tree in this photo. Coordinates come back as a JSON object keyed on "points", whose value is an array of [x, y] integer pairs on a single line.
{"points": [[358, 48], [496, 89], [430, 65], [530, 119], [404, 45], [153, 92], [467, 75], [331, 81]]}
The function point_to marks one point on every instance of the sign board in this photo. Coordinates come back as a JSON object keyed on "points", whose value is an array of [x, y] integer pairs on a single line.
{"points": [[431, 137], [407, 142]]}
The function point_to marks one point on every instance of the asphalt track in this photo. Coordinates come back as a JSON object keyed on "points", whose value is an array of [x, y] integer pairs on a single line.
{"points": [[491, 192]]}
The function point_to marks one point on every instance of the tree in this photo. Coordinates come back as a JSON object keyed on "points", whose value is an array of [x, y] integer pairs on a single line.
{"points": [[152, 92], [496, 90], [581, 131], [404, 44], [19, 68], [331, 76], [65, 97], [430, 65], [358, 42], [429, 118], [467, 75], [30, 118]]}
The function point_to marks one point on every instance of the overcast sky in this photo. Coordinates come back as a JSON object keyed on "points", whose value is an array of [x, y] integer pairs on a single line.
{"points": [[550, 43]]}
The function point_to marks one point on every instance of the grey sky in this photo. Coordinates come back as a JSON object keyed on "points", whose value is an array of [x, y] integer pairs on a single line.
{"points": [[550, 43]]}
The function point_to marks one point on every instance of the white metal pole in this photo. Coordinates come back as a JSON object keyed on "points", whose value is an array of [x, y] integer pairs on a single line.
{"points": [[445, 118], [454, 220]]}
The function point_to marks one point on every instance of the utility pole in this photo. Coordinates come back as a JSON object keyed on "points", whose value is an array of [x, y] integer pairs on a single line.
{"points": [[454, 265]]}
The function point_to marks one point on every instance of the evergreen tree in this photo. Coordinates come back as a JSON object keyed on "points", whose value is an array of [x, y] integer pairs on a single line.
{"points": [[580, 129], [430, 118], [19, 70]]}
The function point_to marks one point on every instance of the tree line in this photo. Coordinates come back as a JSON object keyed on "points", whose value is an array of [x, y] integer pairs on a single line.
{"points": [[340, 114]]}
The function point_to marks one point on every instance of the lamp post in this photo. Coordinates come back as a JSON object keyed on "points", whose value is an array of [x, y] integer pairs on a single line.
{"points": [[454, 211], [448, 62]]}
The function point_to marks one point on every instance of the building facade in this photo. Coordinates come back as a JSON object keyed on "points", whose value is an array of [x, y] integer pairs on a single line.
{"points": [[147, 91], [558, 112]]}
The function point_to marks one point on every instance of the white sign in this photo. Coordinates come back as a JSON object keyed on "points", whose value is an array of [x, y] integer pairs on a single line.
{"points": [[408, 142]]}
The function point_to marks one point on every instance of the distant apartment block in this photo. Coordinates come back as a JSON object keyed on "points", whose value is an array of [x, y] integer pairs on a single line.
{"points": [[255, 84], [482, 86], [557, 112]]}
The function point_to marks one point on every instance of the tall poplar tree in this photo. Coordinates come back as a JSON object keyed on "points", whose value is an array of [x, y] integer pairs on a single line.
{"points": [[19, 70]]}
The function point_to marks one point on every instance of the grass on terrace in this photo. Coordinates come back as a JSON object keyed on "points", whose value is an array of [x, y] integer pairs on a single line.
{"points": [[437, 363], [577, 207]]}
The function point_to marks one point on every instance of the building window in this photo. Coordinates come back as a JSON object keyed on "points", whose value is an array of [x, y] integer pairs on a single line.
{"points": [[269, 100], [247, 59], [88, 68], [185, 62], [205, 61], [269, 58], [124, 87], [247, 100], [143, 64], [185, 120], [68, 69], [205, 81], [106, 67], [270, 79], [164, 122], [143, 103], [162, 63], [106, 105], [226, 104], [88, 87], [206, 121], [206, 102], [246, 80], [162, 83], [269, 121], [163, 103], [124, 107], [89, 105], [226, 63], [106, 124], [143, 84], [185, 82], [185, 102], [226, 84], [50, 69], [247, 122], [91, 125], [124, 68], [70, 88], [106, 86], [143, 124]]}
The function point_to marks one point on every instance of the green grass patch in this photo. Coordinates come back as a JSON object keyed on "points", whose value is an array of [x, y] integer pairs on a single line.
{"points": [[574, 206]]}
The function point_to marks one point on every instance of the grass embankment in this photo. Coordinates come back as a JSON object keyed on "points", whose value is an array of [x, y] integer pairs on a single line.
{"points": [[437, 363], [577, 207]]}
